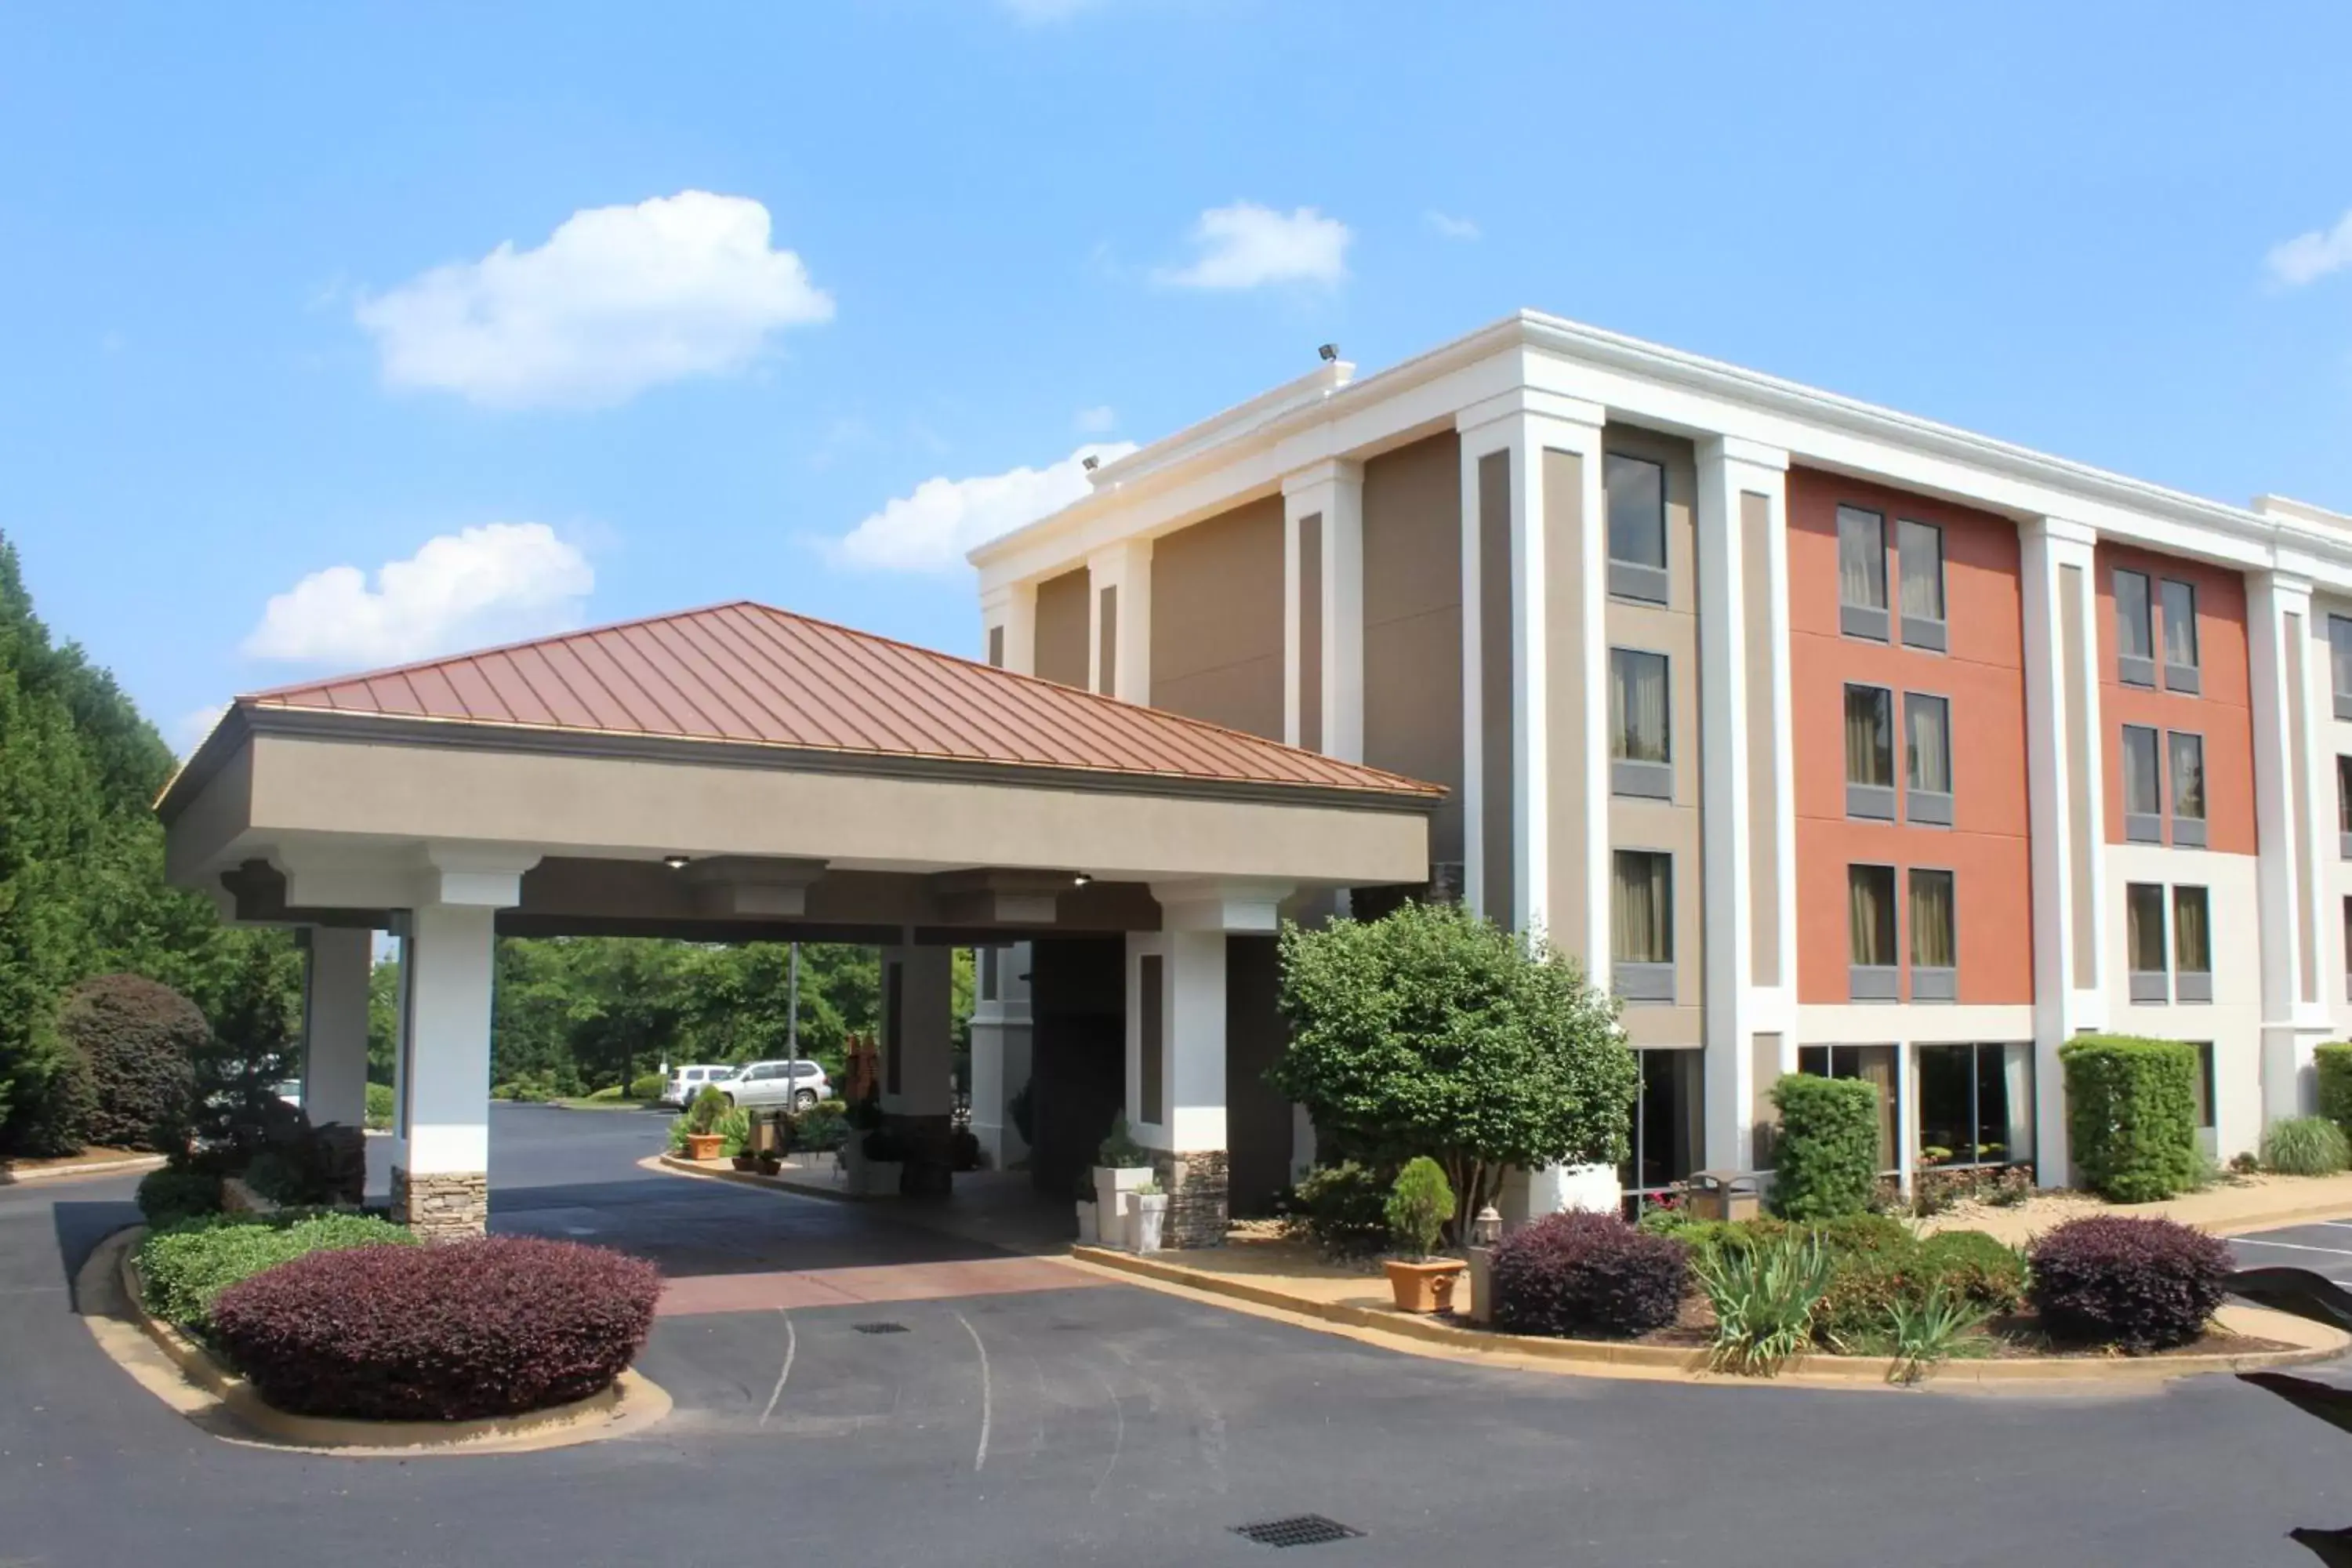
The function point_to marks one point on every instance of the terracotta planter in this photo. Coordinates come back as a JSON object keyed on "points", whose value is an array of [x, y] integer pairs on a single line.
{"points": [[704, 1145], [1426, 1287]]}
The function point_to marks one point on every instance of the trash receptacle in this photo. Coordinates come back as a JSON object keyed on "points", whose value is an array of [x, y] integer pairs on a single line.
{"points": [[1725, 1194]]}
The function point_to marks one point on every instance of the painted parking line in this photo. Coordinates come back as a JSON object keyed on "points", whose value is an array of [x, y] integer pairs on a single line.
{"points": [[2290, 1246]]}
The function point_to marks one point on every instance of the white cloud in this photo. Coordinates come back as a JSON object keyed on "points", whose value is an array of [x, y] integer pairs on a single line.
{"points": [[2307, 258], [618, 300], [1095, 420], [1445, 225], [931, 530], [1246, 246], [496, 583]]}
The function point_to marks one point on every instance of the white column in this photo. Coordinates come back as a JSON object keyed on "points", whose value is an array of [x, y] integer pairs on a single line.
{"points": [[2293, 707], [2065, 768], [1544, 637], [917, 1031], [1332, 492], [1000, 1051], [1729, 471], [335, 1025], [1008, 622], [1125, 566]]}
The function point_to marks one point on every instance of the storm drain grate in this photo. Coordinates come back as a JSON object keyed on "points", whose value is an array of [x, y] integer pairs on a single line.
{"points": [[1298, 1530], [881, 1328]]}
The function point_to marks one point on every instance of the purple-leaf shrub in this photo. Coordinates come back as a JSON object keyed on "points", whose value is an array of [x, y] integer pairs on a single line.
{"points": [[1588, 1273], [2142, 1284]]}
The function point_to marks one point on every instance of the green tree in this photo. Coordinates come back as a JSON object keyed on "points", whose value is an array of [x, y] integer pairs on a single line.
{"points": [[1432, 1032]]}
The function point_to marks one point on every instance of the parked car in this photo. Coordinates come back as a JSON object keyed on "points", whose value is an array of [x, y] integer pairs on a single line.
{"points": [[797, 1084], [686, 1082]]}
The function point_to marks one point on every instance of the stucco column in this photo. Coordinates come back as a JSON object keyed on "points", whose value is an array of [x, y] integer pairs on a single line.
{"points": [[441, 1185], [2065, 768], [1323, 609], [1747, 868], [2287, 661], [1008, 627], [1001, 1050], [1118, 620], [335, 1025], [918, 1059]]}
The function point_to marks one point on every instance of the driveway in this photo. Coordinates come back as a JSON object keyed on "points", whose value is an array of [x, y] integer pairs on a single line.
{"points": [[1095, 1421]]}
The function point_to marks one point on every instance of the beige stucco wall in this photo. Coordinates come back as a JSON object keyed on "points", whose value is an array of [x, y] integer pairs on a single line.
{"points": [[1413, 623], [1062, 618], [1671, 825], [1216, 620], [1566, 694]]}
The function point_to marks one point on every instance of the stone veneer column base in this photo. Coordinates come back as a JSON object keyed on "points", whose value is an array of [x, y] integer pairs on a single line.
{"points": [[1196, 1186], [443, 1206]]}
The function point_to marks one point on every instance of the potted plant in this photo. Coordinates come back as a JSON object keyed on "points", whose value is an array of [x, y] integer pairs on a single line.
{"points": [[1417, 1209], [1089, 1232], [1147, 1217], [1122, 1166], [702, 1138]]}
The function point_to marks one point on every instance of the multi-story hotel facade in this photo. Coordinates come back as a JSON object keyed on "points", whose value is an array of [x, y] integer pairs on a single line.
{"points": [[1831, 739]]}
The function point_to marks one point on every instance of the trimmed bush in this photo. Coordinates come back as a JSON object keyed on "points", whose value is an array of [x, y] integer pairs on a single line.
{"points": [[2141, 1284], [646, 1087], [495, 1326], [2131, 1115], [1343, 1209], [2334, 1063], [1825, 1156], [1588, 1273], [137, 1041], [1986, 1272], [2306, 1146], [166, 1197], [1872, 1283], [379, 1105], [185, 1269]]}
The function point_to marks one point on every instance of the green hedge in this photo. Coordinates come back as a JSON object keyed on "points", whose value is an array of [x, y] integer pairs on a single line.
{"points": [[183, 1268], [2334, 1063], [1825, 1158], [2131, 1115]]}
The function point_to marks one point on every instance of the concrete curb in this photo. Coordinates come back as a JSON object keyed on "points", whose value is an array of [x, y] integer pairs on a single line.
{"points": [[89, 1168], [108, 1290], [810, 1189], [1601, 1357]]}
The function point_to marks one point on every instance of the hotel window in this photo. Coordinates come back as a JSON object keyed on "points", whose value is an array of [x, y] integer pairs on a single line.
{"points": [[1874, 973], [1870, 753], [1641, 746], [1637, 528], [2348, 947], [2205, 1124], [1919, 557], [2343, 807], [1935, 944], [1927, 759], [1862, 573], [2135, 634], [1976, 1104], [2193, 945], [2180, 672], [2339, 660], [2188, 759], [1642, 925], [2143, 786], [2144, 942], [1666, 1141], [1873, 1065]]}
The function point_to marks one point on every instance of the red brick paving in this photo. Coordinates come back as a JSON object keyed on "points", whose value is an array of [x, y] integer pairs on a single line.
{"points": [[867, 1283]]}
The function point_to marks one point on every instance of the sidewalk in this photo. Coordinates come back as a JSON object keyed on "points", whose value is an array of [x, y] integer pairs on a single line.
{"points": [[2240, 1203]]}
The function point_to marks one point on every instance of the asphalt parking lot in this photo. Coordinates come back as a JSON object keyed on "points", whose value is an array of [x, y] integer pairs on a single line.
{"points": [[1044, 1423]]}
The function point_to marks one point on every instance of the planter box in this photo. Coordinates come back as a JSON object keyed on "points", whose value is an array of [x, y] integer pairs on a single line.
{"points": [[869, 1178], [1114, 1194], [704, 1145], [1147, 1218], [1425, 1287]]}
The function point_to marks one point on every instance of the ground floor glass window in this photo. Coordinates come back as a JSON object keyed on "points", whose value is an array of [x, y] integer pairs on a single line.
{"points": [[1976, 1104], [1666, 1136]]}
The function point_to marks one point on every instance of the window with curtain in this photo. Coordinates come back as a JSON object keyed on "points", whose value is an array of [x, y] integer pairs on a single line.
{"points": [[1637, 510], [2187, 775], [1870, 891], [2204, 1086], [2180, 624], [1927, 742], [1975, 1105], [1933, 943], [2344, 796], [1641, 913], [2144, 928], [1862, 558], [1869, 736], [1919, 557], [2192, 931], [2135, 637], [2339, 648], [1665, 1144], [2143, 791], [1637, 706]]}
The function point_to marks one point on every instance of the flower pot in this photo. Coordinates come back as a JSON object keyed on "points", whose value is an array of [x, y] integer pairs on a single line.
{"points": [[1114, 1191], [770, 1165], [747, 1162], [1089, 1234], [1423, 1287], [1147, 1218], [704, 1145]]}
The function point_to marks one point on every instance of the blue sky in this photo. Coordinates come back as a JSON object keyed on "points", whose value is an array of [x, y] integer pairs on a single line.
{"points": [[571, 313]]}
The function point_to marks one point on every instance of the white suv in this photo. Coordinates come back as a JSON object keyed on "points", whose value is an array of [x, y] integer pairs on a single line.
{"points": [[799, 1084], [686, 1082]]}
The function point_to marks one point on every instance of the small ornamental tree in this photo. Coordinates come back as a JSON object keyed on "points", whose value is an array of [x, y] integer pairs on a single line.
{"points": [[1419, 1205], [1433, 1032], [1826, 1159], [138, 1042]]}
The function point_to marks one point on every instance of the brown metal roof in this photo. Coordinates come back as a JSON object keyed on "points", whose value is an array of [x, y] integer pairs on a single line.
{"points": [[754, 675]]}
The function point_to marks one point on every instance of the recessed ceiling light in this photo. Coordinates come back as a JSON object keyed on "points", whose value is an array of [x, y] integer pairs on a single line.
{"points": [[674, 862], [1080, 880]]}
